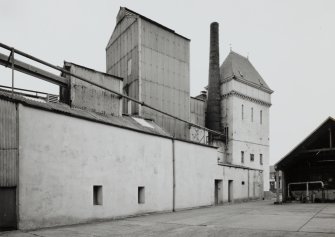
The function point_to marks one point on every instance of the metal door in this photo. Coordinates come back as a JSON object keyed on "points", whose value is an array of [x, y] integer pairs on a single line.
{"points": [[7, 208]]}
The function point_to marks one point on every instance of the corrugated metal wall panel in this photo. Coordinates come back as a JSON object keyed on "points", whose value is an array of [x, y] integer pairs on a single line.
{"points": [[122, 47], [198, 109], [165, 82], [165, 77], [8, 144]]}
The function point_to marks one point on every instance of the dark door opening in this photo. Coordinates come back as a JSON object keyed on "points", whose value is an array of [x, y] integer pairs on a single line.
{"points": [[218, 197], [8, 208], [230, 191]]}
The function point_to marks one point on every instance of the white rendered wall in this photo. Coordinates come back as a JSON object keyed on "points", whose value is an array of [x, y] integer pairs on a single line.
{"points": [[62, 157], [195, 169], [247, 184], [246, 134]]}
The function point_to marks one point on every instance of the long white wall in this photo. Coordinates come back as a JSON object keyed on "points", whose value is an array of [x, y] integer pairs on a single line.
{"points": [[62, 158]]}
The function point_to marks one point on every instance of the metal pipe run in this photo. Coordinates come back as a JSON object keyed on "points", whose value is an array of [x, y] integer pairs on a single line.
{"points": [[102, 87], [307, 186]]}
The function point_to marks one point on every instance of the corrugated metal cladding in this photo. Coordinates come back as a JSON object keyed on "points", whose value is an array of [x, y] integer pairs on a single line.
{"points": [[122, 58], [160, 61], [165, 77], [198, 110], [8, 144]]}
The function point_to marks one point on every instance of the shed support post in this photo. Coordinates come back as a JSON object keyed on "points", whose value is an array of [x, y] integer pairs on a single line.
{"points": [[283, 187], [307, 193], [330, 138], [277, 185]]}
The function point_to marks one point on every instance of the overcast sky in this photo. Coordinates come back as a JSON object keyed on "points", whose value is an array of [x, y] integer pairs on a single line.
{"points": [[291, 43]]}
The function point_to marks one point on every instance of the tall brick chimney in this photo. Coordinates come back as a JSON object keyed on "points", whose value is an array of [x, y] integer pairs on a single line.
{"points": [[213, 115]]}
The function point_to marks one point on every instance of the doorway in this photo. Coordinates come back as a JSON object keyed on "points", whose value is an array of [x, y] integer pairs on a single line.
{"points": [[230, 191], [7, 208], [218, 195]]}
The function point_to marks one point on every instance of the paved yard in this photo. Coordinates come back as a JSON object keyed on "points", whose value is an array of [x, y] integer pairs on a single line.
{"points": [[247, 219]]}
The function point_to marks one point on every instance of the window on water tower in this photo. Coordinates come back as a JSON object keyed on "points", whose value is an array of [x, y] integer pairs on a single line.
{"points": [[242, 156], [261, 159], [261, 117], [252, 114], [129, 67], [242, 111], [252, 157]]}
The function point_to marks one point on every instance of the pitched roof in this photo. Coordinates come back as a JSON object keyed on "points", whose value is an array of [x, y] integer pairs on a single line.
{"points": [[292, 156], [238, 67], [127, 12]]}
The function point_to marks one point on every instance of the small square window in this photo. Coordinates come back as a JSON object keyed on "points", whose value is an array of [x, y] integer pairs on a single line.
{"points": [[97, 195], [141, 195], [252, 157]]}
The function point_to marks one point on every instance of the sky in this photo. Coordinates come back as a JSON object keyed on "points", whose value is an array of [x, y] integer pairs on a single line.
{"points": [[290, 43]]}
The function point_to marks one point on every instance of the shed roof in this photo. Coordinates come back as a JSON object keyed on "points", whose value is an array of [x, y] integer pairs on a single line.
{"points": [[238, 67], [314, 137]]}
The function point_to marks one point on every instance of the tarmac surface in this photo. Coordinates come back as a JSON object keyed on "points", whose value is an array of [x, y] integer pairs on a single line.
{"points": [[261, 218]]}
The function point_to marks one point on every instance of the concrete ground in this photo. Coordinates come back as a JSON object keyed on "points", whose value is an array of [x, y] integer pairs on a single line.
{"points": [[260, 218]]}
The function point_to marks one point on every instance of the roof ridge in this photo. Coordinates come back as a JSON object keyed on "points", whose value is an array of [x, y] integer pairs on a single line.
{"points": [[153, 22], [240, 66]]}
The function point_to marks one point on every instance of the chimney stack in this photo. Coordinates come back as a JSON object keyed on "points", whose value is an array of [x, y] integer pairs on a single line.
{"points": [[213, 115]]}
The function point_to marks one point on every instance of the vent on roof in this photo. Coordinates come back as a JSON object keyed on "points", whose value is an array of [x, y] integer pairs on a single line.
{"points": [[241, 74], [52, 98], [143, 122]]}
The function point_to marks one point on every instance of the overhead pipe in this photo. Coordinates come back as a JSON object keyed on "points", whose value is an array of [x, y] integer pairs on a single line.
{"points": [[221, 135]]}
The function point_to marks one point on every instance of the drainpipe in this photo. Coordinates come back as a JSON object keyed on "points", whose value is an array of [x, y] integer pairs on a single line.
{"points": [[277, 185], [173, 176], [248, 185]]}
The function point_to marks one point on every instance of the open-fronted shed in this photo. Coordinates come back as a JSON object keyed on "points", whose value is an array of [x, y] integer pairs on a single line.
{"points": [[309, 169]]}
